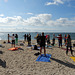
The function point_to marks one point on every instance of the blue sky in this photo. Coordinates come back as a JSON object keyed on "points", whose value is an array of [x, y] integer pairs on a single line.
{"points": [[37, 15]]}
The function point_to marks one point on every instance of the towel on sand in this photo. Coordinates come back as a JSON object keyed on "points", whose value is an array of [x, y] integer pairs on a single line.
{"points": [[43, 58]]}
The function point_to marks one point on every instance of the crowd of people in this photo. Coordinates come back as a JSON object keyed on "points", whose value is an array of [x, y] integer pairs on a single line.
{"points": [[44, 40], [14, 38]]}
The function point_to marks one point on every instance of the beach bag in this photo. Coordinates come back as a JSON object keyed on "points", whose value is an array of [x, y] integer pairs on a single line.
{"points": [[74, 45], [21, 44], [35, 47], [4, 42]]}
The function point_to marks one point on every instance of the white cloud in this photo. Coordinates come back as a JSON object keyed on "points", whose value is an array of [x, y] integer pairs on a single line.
{"points": [[55, 2], [29, 13], [41, 22], [1, 15]]}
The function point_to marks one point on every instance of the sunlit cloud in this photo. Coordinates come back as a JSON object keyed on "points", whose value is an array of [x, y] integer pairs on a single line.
{"points": [[1, 15], [40, 22]]}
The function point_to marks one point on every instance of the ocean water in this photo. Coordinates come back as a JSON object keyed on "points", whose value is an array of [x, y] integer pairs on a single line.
{"points": [[4, 35]]}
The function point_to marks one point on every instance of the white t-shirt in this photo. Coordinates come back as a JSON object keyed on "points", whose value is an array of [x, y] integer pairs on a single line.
{"points": [[13, 37]]}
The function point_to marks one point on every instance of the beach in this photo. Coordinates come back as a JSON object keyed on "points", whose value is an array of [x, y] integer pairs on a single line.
{"points": [[23, 61]]}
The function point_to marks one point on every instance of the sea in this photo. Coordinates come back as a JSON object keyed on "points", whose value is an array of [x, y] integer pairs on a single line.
{"points": [[4, 35]]}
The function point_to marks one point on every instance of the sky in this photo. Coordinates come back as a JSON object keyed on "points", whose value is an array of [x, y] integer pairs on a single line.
{"points": [[37, 15]]}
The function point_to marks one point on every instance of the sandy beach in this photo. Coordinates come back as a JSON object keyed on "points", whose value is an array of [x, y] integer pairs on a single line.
{"points": [[23, 61]]}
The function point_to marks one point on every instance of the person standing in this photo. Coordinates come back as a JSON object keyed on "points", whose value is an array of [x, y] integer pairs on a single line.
{"points": [[13, 40], [25, 37], [68, 43], [65, 39], [42, 43], [8, 38], [48, 40], [53, 39], [29, 39], [16, 40], [60, 40]]}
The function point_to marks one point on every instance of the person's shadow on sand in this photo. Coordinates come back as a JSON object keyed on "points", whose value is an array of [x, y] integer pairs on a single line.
{"points": [[68, 64], [3, 63]]}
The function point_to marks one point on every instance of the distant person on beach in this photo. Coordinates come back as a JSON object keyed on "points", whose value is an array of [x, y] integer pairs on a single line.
{"points": [[48, 39], [65, 39], [53, 40], [38, 39], [60, 40], [13, 40], [29, 39], [16, 38], [25, 37], [8, 38], [68, 43], [42, 43]]}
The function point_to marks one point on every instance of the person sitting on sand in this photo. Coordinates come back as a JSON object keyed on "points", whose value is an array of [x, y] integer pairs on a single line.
{"points": [[68, 43], [13, 40], [42, 43]]}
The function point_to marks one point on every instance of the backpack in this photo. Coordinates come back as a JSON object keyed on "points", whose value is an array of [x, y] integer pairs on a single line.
{"points": [[35, 47]]}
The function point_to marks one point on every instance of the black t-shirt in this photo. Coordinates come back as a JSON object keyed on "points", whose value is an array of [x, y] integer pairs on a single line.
{"points": [[16, 36], [43, 39]]}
